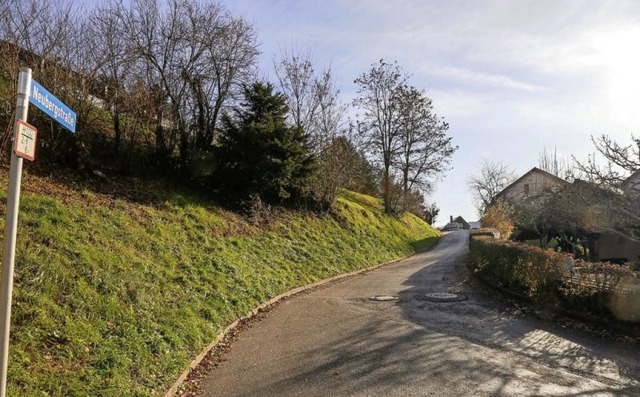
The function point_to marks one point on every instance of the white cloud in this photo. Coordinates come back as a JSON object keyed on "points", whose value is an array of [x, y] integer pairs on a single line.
{"points": [[509, 76], [466, 76]]}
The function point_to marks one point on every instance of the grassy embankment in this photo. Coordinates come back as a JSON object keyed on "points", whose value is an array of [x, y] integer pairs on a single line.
{"points": [[114, 297]]}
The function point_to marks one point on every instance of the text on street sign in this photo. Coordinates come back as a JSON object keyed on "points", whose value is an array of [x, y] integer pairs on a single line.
{"points": [[52, 106]]}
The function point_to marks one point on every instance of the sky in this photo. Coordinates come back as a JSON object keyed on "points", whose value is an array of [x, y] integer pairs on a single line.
{"points": [[510, 77]]}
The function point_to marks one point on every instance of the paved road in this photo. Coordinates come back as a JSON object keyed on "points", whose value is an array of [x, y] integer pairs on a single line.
{"points": [[334, 341]]}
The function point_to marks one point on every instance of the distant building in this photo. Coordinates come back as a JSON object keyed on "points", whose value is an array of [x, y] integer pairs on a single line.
{"points": [[475, 225], [531, 185], [461, 221], [456, 224], [604, 245]]}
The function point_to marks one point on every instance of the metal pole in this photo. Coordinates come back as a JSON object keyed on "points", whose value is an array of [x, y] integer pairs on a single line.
{"points": [[10, 231]]}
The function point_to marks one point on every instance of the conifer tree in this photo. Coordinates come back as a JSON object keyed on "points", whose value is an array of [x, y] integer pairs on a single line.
{"points": [[259, 155]]}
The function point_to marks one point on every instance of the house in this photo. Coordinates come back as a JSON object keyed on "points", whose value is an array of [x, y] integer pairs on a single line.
{"points": [[531, 185], [602, 244], [619, 247], [456, 224], [452, 225], [461, 221]]}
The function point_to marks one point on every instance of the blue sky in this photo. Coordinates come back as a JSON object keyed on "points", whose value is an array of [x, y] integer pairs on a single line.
{"points": [[510, 77]]}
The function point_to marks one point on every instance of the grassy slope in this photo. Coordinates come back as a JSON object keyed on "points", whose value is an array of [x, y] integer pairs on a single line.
{"points": [[114, 298]]}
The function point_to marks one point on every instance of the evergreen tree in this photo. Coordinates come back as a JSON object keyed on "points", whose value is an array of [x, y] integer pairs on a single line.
{"points": [[258, 154]]}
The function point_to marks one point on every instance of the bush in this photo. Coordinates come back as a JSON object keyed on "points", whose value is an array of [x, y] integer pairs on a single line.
{"points": [[498, 215], [485, 232], [342, 166], [518, 267], [547, 277]]}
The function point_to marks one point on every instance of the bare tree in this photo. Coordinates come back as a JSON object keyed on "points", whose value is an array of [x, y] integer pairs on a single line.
{"points": [[32, 31], [195, 57], [380, 121], [167, 52], [152, 35], [425, 149], [492, 178], [185, 58], [612, 173], [620, 161], [329, 121], [38, 26], [431, 213], [550, 162], [114, 59], [50, 36], [9, 66], [312, 97], [227, 64], [405, 137], [296, 76], [315, 107]]}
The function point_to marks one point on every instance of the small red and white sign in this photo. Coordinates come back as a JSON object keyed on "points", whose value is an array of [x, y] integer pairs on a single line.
{"points": [[25, 142]]}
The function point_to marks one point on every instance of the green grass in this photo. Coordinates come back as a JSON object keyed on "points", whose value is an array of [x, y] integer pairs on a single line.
{"points": [[114, 298]]}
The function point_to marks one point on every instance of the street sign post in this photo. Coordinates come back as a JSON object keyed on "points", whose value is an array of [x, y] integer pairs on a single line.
{"points": [[24, 147], [10, 231]]}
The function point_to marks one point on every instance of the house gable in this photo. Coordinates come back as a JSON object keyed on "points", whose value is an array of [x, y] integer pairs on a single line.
{"points": [[530, 185], [465, 224]]}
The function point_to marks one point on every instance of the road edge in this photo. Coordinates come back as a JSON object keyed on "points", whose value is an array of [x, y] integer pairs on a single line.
{"points": [[198, 359]]}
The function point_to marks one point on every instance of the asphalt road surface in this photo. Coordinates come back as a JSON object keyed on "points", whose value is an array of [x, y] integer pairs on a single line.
{"points": [[335, 341]]}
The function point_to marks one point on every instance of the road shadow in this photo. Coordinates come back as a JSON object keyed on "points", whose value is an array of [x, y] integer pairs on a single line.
{"points": [[382, 359], [487, 319], [480, 346]]}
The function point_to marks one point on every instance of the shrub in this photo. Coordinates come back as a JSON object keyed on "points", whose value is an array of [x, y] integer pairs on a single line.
{"points": [[485, 232], [519, 267], [604, 289], [548, 277], [498, 215]]}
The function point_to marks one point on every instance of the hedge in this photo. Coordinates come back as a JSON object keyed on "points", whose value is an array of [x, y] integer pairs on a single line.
{"points": [[604, 290]]}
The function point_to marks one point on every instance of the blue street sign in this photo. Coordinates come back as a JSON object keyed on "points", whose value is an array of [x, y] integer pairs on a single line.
{"points": [[52, 106]]}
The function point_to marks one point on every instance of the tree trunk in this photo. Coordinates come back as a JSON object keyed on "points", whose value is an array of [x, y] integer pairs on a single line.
{"points": [[117, 130], [386, 191], [405, 186]]}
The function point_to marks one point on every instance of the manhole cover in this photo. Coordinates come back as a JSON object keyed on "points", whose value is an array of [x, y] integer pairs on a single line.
{"points": [[383, 298], [442, 297]]}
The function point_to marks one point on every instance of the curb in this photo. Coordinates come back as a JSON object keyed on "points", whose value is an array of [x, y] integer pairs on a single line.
{"points": [[196, 361]]}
